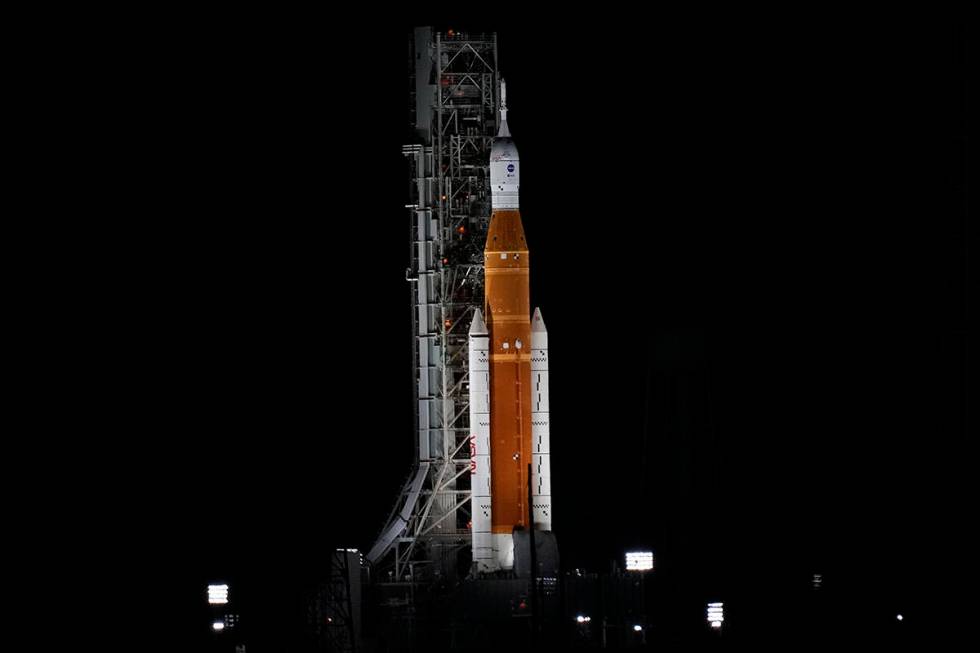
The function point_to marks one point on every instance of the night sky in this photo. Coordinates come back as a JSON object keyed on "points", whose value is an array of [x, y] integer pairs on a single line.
{"points": [[748, 239]]}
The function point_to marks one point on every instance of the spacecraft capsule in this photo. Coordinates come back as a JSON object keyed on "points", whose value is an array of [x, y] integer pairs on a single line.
{"points": [[505, 164]]}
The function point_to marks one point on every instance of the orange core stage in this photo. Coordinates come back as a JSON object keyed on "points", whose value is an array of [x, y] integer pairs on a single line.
{"points": [[507, 313]]}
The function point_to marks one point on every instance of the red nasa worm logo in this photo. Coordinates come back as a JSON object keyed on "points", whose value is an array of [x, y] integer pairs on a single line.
{"points": [[472, 454]]}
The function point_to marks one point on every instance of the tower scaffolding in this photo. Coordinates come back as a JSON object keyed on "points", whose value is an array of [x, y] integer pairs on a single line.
{"points": [[453, 110]]}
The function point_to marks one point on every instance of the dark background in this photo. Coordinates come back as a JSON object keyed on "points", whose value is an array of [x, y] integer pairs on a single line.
{"points": [[749, 242]]}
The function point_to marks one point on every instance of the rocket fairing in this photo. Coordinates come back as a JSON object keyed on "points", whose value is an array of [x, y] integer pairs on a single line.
{"points": [[509, 411]]}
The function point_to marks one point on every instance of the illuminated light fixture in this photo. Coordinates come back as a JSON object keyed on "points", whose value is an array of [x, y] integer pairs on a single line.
{"points": [[461, 229], [899, 617], [582, 619], [639, 560], [218, 625], [716, 614], [637, 628], [817, 581], [217, 594]]}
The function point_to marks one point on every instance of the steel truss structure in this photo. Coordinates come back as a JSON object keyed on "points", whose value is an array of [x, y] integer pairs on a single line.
{"points": [[335, 612], [454, 111]]}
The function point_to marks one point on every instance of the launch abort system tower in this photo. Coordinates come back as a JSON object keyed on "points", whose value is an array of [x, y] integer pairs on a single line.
{"points": [[454, 111]]}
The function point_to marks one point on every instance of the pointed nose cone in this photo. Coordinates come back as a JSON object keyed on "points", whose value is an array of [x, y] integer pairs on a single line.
{"points": [[478, 327], [537, 322]]}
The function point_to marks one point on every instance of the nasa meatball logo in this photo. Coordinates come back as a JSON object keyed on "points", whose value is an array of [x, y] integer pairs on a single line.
{"points": [[510, 167]]}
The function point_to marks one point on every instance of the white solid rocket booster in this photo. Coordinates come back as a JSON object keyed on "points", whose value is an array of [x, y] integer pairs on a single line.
{"points": [[540, 426], [480, 507]]}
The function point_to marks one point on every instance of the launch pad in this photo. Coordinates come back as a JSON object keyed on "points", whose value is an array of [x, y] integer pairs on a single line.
{"points": [[467, 559], [575, 610]]}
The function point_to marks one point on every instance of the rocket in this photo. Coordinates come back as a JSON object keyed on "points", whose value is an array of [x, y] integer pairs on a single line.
{"points": [[508, 369]]}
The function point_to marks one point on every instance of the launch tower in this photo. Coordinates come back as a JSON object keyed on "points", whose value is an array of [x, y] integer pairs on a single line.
{"points": [[454, 112]]}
